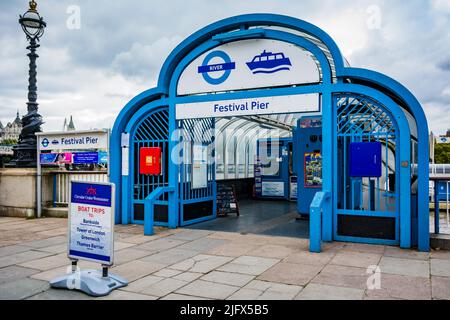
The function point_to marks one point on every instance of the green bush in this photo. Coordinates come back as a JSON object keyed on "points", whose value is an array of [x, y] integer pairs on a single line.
{"points": [[442, 153]]}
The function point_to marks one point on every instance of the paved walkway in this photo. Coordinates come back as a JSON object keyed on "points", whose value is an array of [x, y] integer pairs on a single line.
{"points": [[199, 264]]}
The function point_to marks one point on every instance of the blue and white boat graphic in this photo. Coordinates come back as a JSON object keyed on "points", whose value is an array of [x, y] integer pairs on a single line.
{"points": [[268, 62]]}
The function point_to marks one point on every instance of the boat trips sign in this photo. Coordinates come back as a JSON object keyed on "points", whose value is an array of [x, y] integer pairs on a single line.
{"points": [[247, 64], [91, 224]]}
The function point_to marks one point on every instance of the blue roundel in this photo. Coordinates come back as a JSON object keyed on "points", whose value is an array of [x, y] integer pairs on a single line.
{"points": [[45, 142], [205, 69]]}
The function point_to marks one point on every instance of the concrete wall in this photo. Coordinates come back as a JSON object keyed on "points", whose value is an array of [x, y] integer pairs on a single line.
{"points": [[18, 192]]}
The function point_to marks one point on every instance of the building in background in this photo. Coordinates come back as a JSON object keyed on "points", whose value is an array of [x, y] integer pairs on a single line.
{"points": [[68, 126], [444, 139], [10, 133]]}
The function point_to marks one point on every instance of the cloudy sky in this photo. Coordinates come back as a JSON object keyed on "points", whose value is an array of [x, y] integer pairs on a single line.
{"points": [[93, 69]]}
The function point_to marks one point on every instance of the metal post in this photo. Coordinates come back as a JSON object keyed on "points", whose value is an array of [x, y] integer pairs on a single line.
{"points": [[448, 222], [436, 207], [24, 152], [38, 181]]}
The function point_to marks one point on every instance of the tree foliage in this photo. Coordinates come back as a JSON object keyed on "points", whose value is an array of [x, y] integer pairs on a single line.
{"points": [[442, 153]]}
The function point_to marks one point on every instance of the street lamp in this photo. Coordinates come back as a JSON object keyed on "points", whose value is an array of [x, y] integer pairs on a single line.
{"points": [[25, 152]]}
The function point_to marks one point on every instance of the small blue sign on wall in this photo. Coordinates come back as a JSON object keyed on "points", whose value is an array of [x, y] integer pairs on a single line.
{"points": [[85, 158], [365, 159]]}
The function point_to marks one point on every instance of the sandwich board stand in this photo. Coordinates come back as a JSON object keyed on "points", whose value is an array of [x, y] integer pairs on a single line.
{"points": [[91, 238]]}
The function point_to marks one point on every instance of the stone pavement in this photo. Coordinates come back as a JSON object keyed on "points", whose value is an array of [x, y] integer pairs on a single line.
{"points": [[198, 264]]}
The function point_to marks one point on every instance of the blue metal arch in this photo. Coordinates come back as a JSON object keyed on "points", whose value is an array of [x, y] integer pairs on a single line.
{"points": [[342, 72], [237, 22]]}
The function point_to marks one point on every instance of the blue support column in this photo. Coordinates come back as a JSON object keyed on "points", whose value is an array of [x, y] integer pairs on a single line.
{"points": [[328, 134], [436, 207]]}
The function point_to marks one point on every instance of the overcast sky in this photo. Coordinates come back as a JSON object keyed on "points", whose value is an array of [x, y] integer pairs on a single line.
{"points": [[92, 71]]}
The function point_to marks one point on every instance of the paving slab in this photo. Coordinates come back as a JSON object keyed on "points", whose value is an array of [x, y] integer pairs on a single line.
{"points": [[201, 263], [136, 269], [142, 284], [120, 245], [190, 235], [46, 242], [188, 276], [233, 279], [171, 256], [207, 289], [290, 273], [440, 267], [22, 289], [164, 287], [361, 247], [202, 245], [246, 294], [9, 250], [343, 276], [47, 263], [160, 244], [233, 249], [249, 265], [124, 295], [356, 259], [140, 239], [397, 252], [306, 257], [127, 255], [440, 254], [402, 287], [316, 291], [272, 251], [22, 257], [167, 273], [14, 273], [176, 296], [406, 267], [56, 249], [61, 294], [267, 291], [440, 288]]}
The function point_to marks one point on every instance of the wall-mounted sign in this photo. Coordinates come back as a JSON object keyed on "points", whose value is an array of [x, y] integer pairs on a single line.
{"points": [[248, 64], [313, 170], [249, 107], [272, 189], [85, 158], [91, 224], [74, 141], [199, 166], [443, 140], [56, 158]]}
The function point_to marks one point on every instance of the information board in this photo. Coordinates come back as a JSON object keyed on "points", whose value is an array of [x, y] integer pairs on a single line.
{"points": [[91, 224]]}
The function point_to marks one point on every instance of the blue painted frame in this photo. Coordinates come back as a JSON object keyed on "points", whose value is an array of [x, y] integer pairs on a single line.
{"points": [[205, 39]]}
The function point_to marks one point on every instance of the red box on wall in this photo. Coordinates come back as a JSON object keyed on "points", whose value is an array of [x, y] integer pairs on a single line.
{"points": [[150, 161]]}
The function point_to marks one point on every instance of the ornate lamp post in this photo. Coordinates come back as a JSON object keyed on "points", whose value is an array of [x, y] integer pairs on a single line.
{"points": [[25, 152]]}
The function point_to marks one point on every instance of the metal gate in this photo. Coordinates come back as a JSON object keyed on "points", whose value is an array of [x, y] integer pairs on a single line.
{"points": [[366, 208], [197, 203], [151, 131]]}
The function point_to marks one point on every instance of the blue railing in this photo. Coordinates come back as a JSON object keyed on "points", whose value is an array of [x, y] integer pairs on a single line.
{"points": [[315, 220], [149, 208]]}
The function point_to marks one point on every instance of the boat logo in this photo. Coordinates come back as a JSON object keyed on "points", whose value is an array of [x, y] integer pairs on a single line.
{"points": [[55, 142], [45, 142], [91, 191], [268, 62], [223, 69]]}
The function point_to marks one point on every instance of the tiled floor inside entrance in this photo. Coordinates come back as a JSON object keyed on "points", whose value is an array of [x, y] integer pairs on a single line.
{"points": [[209, 264]]}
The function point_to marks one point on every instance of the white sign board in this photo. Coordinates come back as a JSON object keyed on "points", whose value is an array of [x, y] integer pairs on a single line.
{"points": [[272, 189], [91, 222], [249, 107], [440, 140], [199, 166], [81, 140], [248, 64]]}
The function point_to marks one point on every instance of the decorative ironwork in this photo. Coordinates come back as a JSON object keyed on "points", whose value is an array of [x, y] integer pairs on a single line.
{"points": [[25, 152]]}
